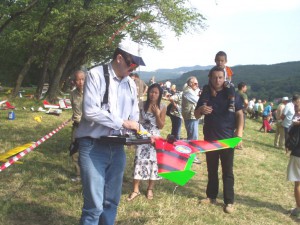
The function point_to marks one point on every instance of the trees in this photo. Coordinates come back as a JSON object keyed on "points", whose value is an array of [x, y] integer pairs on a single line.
{"points": [[11, 10], [81, 32]]}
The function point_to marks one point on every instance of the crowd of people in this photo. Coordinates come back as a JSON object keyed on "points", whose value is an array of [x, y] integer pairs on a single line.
{"points": [[275, 119], [115, 100], [284, 122]]}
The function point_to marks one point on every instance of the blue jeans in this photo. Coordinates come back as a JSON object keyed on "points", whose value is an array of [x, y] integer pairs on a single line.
{"points": [[102, 167], [191, 127], [176, 126]]}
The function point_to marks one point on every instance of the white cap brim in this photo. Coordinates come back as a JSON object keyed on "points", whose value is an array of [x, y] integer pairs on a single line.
{"points": [[132, 48]]}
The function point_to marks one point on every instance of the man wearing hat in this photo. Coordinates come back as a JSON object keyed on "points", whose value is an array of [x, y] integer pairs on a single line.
{"points": [[110, 105], [279, 135]]}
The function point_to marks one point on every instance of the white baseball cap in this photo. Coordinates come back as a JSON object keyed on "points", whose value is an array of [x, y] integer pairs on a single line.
{"points": [[285, 99], [132, 48]]}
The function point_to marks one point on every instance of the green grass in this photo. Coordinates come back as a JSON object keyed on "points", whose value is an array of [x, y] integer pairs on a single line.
{"points": [[39, 191]]}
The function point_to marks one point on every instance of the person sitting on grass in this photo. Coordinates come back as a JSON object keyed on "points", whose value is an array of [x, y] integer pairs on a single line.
{"points": [[266, 127]]}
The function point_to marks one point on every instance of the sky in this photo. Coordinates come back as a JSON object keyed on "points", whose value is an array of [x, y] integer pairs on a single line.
{"points": [[250, 32]]}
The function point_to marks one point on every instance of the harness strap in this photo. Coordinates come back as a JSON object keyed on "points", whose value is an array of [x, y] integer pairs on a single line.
{"points": [[106, 77]]}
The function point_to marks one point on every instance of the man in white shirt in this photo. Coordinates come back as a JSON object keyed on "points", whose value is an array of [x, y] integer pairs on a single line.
{"points": [[288, 113], [190, 97], [168, 85], [110, 105], [189, 101], [250, 109]]}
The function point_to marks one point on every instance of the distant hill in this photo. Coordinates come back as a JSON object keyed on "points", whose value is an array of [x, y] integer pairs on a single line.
{"points": [[264, 81], [165, 74]]}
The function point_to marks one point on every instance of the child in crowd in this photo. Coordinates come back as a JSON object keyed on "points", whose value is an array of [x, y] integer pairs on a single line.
{"points": [[221, 60]]}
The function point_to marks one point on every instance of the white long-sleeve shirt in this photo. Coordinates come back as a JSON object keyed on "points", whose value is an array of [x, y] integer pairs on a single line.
{"points": [[288, 112], [122, 104]]}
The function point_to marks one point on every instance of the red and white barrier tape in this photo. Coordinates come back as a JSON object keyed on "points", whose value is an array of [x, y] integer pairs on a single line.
{"points": [[33, 146]]}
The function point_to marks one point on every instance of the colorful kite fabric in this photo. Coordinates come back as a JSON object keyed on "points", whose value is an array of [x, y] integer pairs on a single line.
{"points": [[175, 159]]}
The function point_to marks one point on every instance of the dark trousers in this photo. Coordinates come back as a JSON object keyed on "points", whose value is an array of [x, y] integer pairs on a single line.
{"points": [[212, 160], [256, 114], [245, 116], [176, 126], [286, 133]]}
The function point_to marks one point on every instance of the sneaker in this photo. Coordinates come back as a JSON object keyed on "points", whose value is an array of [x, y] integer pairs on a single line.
{"points": [[208, 201], [228, 208], [295, 212], [75, 179], [197, 161]]}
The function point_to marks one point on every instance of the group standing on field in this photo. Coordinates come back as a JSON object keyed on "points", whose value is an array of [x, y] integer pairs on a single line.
{"points": [[115, 100]]}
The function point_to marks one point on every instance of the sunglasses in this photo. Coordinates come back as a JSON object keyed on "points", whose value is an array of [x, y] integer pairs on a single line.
{"points": [[129, 63]]}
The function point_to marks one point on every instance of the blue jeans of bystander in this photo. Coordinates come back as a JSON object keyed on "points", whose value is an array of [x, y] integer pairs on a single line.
{"points": [[191, 127]]}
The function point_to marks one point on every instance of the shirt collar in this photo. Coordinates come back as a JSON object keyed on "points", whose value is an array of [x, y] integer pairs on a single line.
{"points": [[113, 74]]}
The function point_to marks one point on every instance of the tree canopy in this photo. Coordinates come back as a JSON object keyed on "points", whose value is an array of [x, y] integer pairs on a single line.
{"points": [[47, 40]]}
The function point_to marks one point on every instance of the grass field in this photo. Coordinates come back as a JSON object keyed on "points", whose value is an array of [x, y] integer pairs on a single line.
{"points": [[39, 191]]}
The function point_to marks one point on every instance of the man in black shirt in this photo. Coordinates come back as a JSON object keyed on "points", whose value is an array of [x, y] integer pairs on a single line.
{"points": [[219, 123]]}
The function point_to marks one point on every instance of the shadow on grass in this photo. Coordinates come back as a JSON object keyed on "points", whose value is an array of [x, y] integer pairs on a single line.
{"points": [[133, 221], [18, 207], [164, 186], [259, 143], [255, 203], [23, 213]]}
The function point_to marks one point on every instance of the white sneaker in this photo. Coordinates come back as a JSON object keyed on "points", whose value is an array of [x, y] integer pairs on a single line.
{"points": [[197, 161], [75, 179]]}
